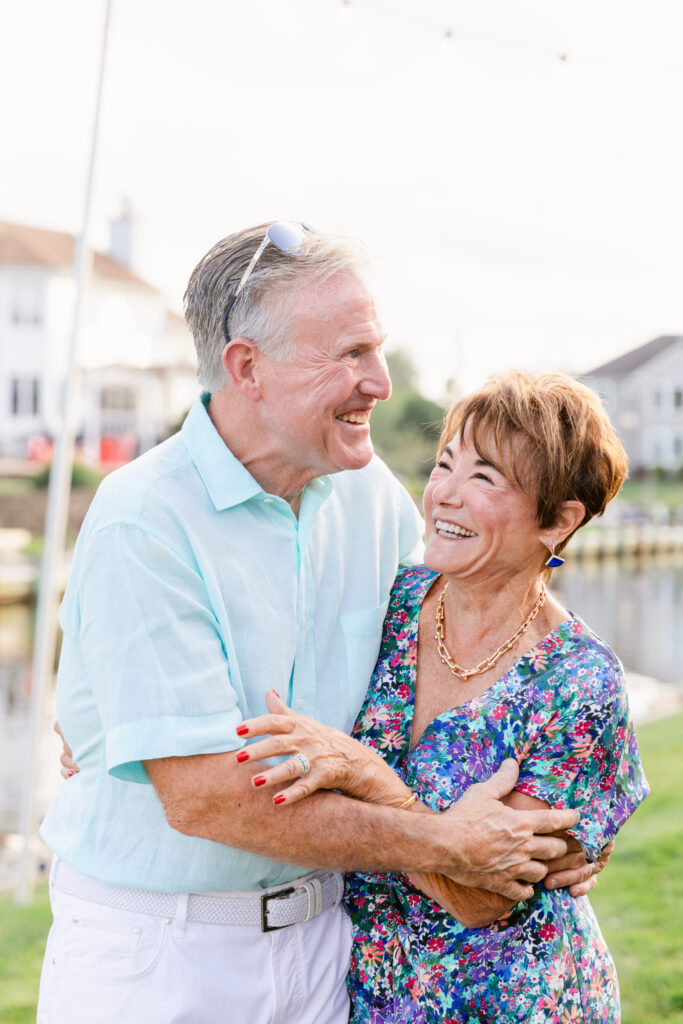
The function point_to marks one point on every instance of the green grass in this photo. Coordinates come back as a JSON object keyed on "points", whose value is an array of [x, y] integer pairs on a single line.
{"points": [[15, 485], [23, 931], [647, 492], [639, 903]]}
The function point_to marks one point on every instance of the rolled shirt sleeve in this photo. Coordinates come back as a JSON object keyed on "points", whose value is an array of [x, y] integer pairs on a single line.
{"points": [[153, 653]]}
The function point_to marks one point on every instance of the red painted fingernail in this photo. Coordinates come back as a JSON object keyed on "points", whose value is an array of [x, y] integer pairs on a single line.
{"points": [[71, 773], [279, 799], [259, 780], [242, 730], [242, 755], [277, 695]]}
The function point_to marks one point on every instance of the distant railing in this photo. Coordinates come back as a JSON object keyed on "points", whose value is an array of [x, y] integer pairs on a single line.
{"points": [[632, 539]]}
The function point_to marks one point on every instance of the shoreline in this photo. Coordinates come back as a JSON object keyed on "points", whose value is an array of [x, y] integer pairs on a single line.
{"points": [[650, 699]]}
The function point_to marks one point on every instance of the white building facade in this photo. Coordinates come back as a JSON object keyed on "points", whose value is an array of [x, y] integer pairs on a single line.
{"points": [[643, 393], [137, 358]]}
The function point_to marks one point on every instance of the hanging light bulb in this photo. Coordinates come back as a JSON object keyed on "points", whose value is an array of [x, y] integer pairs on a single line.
{"points": [[345, 10], [562, 65], [447, 39]]}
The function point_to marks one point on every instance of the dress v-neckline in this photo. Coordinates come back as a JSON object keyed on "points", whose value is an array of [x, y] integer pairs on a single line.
{"points": [[502, 682]]}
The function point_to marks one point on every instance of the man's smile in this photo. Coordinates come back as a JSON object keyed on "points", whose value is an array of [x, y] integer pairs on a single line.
{"points": [[361, 416]]}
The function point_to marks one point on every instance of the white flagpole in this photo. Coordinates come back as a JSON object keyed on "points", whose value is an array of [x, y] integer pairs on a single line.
{"points": [[45, 643]]}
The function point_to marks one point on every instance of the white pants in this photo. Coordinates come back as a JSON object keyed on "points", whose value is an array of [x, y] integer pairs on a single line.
{"points": [[108, 966]]}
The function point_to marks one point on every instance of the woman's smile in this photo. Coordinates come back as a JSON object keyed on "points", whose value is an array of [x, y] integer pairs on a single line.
{"points": [[453, 531]]}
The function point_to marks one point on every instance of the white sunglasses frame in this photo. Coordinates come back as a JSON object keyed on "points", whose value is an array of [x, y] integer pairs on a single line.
{"points": [[286, 237]]}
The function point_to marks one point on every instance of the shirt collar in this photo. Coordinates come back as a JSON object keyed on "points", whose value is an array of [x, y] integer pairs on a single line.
{"points": [[225, 478]]}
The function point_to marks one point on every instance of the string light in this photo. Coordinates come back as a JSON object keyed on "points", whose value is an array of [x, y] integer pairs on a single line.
{"points": [[446, 33], [413, 13]]}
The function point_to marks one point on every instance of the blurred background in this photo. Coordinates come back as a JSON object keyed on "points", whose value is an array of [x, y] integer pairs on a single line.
{"points": [[514, 168]]}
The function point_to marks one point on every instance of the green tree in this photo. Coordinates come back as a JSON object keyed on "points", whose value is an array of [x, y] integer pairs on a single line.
{"points": [[405, 430]]}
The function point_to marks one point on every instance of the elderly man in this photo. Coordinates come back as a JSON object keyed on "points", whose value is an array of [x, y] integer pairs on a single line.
{"points": [[253, 550]]}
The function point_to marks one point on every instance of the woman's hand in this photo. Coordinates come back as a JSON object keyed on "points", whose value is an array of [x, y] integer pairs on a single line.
{"points": [[69, 766], [573, 872], [337, 761]]}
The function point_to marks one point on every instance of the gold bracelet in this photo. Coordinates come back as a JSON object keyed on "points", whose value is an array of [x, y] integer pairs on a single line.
{"points": [[407, 803]]}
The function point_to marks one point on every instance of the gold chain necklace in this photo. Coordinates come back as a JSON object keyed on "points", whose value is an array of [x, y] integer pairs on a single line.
{"points": [[466, 673]]}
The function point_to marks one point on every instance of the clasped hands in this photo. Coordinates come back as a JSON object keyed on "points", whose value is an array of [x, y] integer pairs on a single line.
{"points": [[483, 843], [501, 849]]}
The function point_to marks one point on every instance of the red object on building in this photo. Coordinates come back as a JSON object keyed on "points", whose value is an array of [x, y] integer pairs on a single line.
{"points": [[117, 450]]}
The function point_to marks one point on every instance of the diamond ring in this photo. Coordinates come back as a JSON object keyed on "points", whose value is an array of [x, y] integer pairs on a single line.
{"points": [[304, 762]]}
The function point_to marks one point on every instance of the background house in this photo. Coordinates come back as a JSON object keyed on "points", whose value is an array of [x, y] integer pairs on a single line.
{"points": [[137, 357], [643, 392]]}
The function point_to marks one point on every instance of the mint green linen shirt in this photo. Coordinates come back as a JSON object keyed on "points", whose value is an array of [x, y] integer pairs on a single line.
{"points": [[192, 592]]}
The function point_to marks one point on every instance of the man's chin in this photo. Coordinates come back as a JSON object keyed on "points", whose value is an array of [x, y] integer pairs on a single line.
{"points": [[357, 457]]}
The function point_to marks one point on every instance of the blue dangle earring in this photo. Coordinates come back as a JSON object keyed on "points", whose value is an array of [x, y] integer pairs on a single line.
{"points": [[554, 559]]}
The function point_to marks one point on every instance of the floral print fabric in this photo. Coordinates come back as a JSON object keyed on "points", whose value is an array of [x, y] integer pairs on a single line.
{"points": [[562, 711]]}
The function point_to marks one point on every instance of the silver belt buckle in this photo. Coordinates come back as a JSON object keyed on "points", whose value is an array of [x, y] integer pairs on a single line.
{"points": [[265, 927]]}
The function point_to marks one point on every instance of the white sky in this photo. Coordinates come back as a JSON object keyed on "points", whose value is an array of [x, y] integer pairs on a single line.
{"points": [[517, 216]]}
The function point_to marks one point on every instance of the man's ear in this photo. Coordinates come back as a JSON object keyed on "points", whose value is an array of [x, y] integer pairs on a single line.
{"points": [[241, 360], [569, 517]]}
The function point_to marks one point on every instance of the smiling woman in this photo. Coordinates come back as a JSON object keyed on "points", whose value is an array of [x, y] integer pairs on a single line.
{"points": [[522, 464]]}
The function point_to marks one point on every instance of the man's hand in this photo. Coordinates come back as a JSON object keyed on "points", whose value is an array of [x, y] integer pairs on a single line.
{"points": [[498, 848], [573, 872], [69, 766]]}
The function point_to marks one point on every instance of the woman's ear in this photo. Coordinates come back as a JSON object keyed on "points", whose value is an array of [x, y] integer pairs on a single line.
{"points": [[569, 517], [241, 361]]}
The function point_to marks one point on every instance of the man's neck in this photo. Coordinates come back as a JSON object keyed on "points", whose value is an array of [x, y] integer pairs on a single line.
{"points": [[239, 432]]}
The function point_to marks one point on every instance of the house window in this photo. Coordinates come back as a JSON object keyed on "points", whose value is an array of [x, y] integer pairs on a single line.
{"points": [[678, 445], [27, 303], [117, 397], [678, 398], [25, 396]]}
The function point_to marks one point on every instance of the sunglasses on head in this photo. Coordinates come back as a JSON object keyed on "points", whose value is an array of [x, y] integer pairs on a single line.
{"points": [[288, 238]]}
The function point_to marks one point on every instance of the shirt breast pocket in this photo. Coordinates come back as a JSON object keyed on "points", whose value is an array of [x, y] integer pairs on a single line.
{"points": [[362, 635]]}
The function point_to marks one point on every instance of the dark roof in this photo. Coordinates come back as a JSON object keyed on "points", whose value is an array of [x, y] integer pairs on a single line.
{"points": [[21, 245], [636, 357]]}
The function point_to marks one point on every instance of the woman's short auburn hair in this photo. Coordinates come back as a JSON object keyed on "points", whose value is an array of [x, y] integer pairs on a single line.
{"points": [[552, 435]]}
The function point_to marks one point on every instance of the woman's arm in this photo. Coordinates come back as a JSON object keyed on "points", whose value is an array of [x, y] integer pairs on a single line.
{"points": [[473, 908]]}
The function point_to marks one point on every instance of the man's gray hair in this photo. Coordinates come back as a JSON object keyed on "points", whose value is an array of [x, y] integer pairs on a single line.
{"points": [[264, 308]]}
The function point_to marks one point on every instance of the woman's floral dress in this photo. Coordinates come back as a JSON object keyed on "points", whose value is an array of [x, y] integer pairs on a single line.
{"points": [[562, 711]]}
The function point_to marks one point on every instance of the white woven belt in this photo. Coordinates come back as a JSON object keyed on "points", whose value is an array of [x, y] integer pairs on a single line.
{"points": [[279, 907]]}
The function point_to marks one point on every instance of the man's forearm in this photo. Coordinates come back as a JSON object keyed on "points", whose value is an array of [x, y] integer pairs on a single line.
{"points": [[477, 842], [214, 800]]}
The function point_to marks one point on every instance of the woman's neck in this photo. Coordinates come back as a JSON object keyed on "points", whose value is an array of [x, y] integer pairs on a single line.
{"points": [[481, 614]]}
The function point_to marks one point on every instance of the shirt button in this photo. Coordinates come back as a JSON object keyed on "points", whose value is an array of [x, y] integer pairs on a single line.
{"points": [[302, 703], [268, 501], [168, 921]]}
